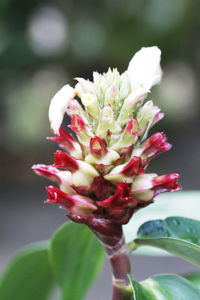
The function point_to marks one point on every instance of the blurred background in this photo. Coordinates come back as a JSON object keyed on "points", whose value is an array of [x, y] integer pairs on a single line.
{"points": [[44, 45]]}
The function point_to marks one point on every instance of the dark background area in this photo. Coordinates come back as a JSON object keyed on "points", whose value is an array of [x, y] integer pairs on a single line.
{"points": [[44, 45]]}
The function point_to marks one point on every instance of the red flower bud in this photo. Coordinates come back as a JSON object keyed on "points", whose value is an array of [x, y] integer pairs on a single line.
{"points": [[155, 145], [133, 167], [65, 139], [147, 186], [77, 123], [48, 172], [63, 160], [166, 183], [76, 204], [119, 206], [133, 127], [97, 146], [56, 196], [121, 198]]}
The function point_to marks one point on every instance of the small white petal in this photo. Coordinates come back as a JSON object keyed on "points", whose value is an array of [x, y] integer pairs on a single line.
{"points": [[144, 68], [86, 85], [58, 106]]}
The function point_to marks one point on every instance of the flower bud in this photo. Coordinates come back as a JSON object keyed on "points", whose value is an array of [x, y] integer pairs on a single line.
{"points": [[91, 103], [63, 160], [76, 204], [62, 178], [83, 173], [100, 154], [97, 146], [112, 95], [130, 104], [83, 132], [68, 143], [83, 86], [147, 186], [152, 147], [115, 206], [125, 87], [166, 183], [125, 172], [75, 109], [107, 122], [147, 116], [128, 137]]}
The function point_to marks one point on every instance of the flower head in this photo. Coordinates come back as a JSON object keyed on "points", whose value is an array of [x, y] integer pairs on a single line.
{"points": [[100, 173]]}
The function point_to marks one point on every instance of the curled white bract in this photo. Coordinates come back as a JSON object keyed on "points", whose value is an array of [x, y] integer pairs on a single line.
{"points": [[144, 68], [58, 106]]}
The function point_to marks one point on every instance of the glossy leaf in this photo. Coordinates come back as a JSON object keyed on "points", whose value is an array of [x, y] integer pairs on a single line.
{"points": [[194, 278], [183, 203], [76, 257], [165, 287], [177, 235], [28, 275]]}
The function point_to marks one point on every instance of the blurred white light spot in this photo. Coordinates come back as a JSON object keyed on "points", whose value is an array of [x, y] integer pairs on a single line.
{"points": [[177, 92], [48, 31]]}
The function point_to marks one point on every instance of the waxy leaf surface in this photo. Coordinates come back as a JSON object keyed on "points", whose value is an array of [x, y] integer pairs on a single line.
{"points": [[194, 278], [177, 235], [76, 257], [28, 275], [165, 287], [183, 203]]}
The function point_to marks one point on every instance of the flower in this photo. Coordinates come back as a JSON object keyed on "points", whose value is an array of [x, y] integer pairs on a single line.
{"points": [[101, 173]]}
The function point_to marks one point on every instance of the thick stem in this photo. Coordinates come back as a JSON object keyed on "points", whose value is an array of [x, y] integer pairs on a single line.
{"points": [[122, 293], [112, 239], [120, 265]]}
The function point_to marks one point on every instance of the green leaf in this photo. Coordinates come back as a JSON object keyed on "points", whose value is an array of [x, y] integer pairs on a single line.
{"points": [[194, 278], [165, 287], [28, 275], [177, 235], [183, 203], [76, 257]]}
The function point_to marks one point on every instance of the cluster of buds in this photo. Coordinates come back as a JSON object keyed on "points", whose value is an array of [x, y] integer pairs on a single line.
{"points": [[101, 173]]}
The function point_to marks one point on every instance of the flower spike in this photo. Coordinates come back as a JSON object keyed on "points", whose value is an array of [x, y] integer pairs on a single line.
{"points": [[101, 173]]}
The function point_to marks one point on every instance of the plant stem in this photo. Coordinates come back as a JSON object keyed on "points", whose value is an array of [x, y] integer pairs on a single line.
{"points": [[112, 239], [120, 265]]}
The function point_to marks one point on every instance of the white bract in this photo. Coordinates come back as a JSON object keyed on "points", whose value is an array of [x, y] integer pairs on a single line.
{"points": [[144, 68], [58, 107]]}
